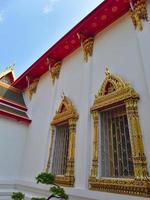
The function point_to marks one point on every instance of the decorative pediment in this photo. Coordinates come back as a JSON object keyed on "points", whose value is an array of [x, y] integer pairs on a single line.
{"points": [[114, 89], [65, 111], [8, 75]]}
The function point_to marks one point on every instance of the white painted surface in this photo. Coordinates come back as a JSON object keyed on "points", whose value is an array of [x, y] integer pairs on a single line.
{"points": [[12, 142], [125, 52]]}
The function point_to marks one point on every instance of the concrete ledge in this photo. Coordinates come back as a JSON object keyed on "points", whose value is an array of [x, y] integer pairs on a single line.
{"points": [[31, 189]]}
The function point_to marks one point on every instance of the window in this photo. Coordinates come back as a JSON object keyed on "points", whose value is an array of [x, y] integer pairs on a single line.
{"points": [[60, 155], [115, 147], [118, 159], [62, 147]]}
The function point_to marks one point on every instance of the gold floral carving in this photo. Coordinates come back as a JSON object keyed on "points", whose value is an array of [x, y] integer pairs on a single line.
{"points": [[32, 88], [88, 47], [139, 159], [113, 91], [66, 113], [55, 70], [129, 186], [94, 170], [138, 13]]}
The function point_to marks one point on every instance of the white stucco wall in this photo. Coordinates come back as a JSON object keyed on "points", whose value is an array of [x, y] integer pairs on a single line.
{"points": [[12, 142], [118, 47]]}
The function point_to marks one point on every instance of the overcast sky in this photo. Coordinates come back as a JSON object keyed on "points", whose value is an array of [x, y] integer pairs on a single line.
{"points": [[29, 27]]}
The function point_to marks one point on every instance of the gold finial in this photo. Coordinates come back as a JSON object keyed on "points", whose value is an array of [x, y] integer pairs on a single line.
{"points": [[11, 66], [63, 94], [107, 72]]}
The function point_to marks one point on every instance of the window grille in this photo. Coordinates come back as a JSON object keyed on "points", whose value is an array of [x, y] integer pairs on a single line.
{"points": [[60, 155], [115, 147]]}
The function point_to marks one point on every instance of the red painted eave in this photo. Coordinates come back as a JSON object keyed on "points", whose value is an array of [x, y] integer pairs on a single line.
{"points": [[101, 17]]}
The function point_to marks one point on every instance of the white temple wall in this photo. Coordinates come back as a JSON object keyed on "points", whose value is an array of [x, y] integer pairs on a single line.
{"points": [[12, 142], [143, 40], [43, 107], [116, 47]]}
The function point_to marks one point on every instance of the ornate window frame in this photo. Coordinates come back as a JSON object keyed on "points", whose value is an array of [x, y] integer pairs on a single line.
{"points": [[123, 93], [66, 113]]}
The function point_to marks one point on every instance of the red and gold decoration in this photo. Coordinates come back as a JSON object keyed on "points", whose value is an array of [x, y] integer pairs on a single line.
{"points": [[86, 44], [138, 12], [100, 18], [8, 75], [32, 88], [54, 68], [12, 104]]}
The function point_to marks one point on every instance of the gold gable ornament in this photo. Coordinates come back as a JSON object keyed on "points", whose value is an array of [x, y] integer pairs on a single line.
{"points": [[65, 113], [138, 13], [7, 72], [115, 91]]}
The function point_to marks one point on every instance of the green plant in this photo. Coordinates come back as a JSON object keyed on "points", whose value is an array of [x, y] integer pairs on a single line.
{"points": [[17, 196], [45, 178], [58, 192], [36, 198], [49, 179]]}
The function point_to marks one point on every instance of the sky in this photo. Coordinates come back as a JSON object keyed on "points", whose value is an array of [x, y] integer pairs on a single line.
{"points": [[28, 28]]}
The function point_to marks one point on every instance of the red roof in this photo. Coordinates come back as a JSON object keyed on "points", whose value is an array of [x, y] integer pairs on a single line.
{"points": [[101, 17]]}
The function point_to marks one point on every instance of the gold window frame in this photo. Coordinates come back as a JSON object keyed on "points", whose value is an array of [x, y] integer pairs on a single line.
{"points": [[123, 93], [65, 114]]}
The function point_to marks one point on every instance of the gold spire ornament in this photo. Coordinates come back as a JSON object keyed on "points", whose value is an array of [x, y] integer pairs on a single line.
{"points": [[107, 72], [138, 13]]}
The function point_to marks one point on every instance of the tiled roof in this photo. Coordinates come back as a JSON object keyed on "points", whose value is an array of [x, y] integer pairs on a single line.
{"points": [[12, 104], [11, 95], [13, 111]]}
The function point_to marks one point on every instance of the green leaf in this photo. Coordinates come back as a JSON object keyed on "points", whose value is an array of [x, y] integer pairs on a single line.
{"points": [[36, 198], [45, 178], [17, 196], [58, 192]]}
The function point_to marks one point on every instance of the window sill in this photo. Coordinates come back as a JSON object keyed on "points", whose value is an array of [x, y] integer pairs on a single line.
{"points": [[66, 181], [130, 186]]}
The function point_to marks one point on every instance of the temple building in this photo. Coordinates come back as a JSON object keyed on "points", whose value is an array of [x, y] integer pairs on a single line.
{"points": [[82, 110]]}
